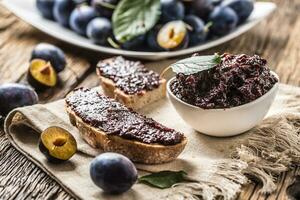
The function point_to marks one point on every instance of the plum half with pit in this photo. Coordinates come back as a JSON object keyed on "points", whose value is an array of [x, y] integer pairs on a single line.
{"points": [[80, 17], [223, 20], [41, 75], [198, 31], [62, 11], [51, 53], [99, 30], [57, 144], [113, 173], [14, 95], [173, 36], [45, 7], [105, 8], [171, 10], [243, 8]]}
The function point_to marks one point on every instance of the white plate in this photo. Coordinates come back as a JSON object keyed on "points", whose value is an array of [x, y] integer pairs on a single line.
{"points": [[26, 10]]}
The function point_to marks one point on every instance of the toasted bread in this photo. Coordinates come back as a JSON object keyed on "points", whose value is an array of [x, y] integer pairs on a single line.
{"points": [[134, 101], [135, 150]]}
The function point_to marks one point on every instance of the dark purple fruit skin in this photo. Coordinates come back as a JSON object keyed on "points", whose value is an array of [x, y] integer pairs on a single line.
{"points": [[201, 8], [223, 19], [135, 43], [102, 10], [62, 11], [51, 53], [45, 7], [171, 10], [293, 190], [99, 29], [152, 39], [198, 34], [113, 173], [46, 153], [14, 95], [243, 8], [77, 2], [216, 2], [80, 17]]}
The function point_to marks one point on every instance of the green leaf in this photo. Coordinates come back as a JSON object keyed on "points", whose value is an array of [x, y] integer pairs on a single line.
{"points": [[196, 64], [163, 179], [132, 18]]}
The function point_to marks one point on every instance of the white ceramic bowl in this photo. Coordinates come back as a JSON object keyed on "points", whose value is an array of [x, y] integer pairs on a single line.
{"points": [[224, 122]]}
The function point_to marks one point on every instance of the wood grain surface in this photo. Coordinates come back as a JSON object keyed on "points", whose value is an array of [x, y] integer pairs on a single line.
{"points": [[277, 39]]}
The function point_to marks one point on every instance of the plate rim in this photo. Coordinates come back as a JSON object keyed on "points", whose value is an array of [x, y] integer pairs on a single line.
{"points": [[140, 54]]}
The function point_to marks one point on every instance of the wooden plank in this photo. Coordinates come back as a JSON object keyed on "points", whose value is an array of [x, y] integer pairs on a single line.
{"points": [[289, 65], [275, 39]]}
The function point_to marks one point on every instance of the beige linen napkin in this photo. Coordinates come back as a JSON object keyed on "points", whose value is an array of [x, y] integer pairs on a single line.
{"points": [[217, 165]]}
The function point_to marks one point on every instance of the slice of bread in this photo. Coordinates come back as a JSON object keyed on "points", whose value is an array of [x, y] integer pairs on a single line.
{"points": [[136, 100], [135, 150]]}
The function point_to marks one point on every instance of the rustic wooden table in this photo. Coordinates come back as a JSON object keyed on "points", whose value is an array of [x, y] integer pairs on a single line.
{"points": [[277, 39]]}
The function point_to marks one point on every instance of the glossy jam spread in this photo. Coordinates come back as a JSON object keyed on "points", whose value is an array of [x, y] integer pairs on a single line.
{"points": [[114, 118], [129, 76], [237, 80]]}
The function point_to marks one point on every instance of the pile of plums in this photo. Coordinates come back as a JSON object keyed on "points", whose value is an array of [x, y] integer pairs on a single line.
{"points": [[182, 23]]}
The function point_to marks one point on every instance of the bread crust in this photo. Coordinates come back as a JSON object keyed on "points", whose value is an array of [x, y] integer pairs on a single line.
{"points": [[134, 150]]}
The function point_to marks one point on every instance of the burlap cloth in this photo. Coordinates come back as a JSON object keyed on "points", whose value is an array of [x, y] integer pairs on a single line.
{"points": [[217, 165]]}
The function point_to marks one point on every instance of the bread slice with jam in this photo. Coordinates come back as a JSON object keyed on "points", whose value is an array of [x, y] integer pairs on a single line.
{"points": [[107, 124], [130, 82]]}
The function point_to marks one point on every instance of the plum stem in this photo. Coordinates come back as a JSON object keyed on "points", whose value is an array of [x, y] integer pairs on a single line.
{"points": [[207, 26], [113, 43]]}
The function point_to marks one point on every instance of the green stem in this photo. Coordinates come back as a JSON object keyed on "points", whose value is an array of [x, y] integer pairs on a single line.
{"points": [[113, 43], [108, 5]]}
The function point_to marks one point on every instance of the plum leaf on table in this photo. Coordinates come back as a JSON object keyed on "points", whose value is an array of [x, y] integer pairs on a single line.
{"points": [[163, 179]]}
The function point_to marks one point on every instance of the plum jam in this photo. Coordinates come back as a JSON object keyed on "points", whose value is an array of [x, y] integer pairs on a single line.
{"points": [[114, 118], [130, 76], [237, 80]]}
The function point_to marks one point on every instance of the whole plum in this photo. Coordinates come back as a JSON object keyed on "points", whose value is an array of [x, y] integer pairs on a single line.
{"points": [[134, 43], [198, 30], [152, 38], [171, 10], [243, 8], [99, 29], [223, 19], [51, 53], [80, 17], [45, 7], [62, 11], [113, 172], [14, 95], [105, 8], [201, 8]]}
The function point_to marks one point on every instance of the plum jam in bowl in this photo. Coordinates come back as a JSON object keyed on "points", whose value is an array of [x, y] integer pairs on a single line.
{"points": [[226, 100]]}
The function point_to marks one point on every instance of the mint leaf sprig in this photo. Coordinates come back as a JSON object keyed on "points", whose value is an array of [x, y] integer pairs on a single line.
{"points": [[194, 64]]}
